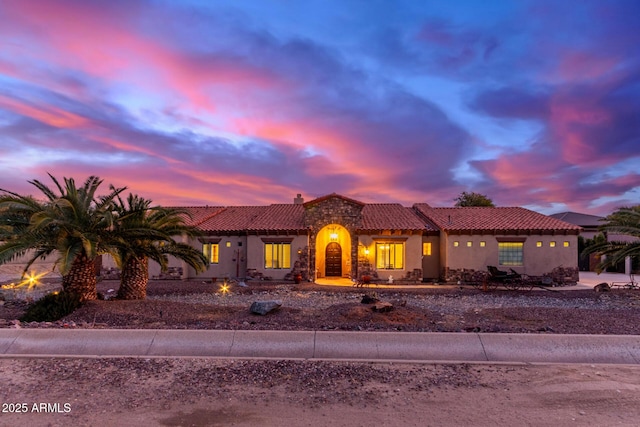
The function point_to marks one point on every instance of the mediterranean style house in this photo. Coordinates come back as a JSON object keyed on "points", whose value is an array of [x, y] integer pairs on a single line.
{"points": [[336, 236]]}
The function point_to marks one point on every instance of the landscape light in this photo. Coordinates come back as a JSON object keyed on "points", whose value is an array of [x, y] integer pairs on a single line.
{"points": [[32, 280]]}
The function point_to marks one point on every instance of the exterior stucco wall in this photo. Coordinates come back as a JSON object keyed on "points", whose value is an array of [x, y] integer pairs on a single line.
{"points": [[536, 260], [412, 253], [443, 253], [431, 263], [255, 255], [232, 259]]}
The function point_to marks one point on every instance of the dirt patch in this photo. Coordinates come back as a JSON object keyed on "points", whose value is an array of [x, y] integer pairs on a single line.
{"points": [[202, 392]]}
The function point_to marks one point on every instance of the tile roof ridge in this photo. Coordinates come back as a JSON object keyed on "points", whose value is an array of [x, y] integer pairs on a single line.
{"points": [[334, 194], [385, 204]]}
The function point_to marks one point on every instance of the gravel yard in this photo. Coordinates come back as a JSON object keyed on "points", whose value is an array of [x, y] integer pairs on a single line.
{"points": [[200, 305]]}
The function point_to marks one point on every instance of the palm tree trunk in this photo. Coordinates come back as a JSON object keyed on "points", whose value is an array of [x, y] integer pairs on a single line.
{"points": [[135, 275], [81, 279]]}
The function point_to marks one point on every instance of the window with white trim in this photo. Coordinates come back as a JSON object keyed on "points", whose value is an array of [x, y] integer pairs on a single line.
{"points": [[277, 255], [389, 256]]}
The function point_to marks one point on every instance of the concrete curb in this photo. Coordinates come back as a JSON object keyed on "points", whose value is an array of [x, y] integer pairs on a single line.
{"points": [[322, 345]]}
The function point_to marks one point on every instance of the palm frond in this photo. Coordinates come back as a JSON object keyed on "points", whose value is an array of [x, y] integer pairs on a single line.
{"points": [[625, 221]]}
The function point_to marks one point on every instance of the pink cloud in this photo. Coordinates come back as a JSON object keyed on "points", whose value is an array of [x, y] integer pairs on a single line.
{"points": [[48, 114], [576, 65], [569, 123], [100, 39]]}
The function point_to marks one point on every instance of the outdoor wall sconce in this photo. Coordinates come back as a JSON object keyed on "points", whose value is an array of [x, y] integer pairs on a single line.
{"points": [[333, 234]]}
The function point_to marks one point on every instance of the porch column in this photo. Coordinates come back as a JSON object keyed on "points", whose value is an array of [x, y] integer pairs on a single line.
{"points": [[627, 265], [312, 255], [354, 255]]}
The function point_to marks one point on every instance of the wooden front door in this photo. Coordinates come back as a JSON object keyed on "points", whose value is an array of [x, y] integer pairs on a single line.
{"points": [[333, 260]]}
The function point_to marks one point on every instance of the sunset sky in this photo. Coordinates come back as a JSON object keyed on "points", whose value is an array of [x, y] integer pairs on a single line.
{"points": [[243, 102]]}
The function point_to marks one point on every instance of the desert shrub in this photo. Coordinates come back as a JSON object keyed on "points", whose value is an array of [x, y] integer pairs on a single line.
{"points": [[52, 307]]}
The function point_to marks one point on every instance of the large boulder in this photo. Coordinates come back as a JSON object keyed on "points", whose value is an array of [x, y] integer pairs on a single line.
{"points": [[265, 307], [602, 287], [382, 307], [369, 299]]}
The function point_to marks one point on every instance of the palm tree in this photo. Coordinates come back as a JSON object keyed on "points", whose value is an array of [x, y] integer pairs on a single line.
{"points": [[73, 223], [624, 221], [143, 232]]}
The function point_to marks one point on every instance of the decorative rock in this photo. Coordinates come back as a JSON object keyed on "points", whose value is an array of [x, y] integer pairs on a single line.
{"points": [[15, 324], [382, 307], [602, 287], [369, 299], [264, 307]]}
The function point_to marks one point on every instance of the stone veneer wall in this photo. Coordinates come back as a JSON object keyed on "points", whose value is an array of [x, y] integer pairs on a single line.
{"points": [[559, 276], [333, 210]]}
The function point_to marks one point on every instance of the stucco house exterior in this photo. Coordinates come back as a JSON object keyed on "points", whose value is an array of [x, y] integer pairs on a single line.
{"points": [[590, 224], [336, 236]]}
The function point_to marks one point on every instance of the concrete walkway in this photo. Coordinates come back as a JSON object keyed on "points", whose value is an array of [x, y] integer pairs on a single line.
{"points": [[587, 280], [323, 345]]}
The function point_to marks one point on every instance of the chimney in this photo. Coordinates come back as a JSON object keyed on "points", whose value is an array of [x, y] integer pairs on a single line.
{"points": [[298, 200]]}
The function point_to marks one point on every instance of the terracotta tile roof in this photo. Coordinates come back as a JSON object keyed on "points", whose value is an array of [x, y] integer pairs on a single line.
{"points": [[381, 216], [198, 214], [280, 217], [391, 216], [232, 219], [499, 220]]}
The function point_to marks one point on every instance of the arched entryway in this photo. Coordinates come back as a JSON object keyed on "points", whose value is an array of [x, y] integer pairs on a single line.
{"points": [[333, 251], [333, 260]]}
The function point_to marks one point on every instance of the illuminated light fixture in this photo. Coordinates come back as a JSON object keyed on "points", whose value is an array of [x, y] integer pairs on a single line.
{"points": [[333, 234], [32, 280], [366, 251]]}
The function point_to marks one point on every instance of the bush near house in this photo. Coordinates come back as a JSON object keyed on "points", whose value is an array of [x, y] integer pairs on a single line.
{"points": [[52, 307]]}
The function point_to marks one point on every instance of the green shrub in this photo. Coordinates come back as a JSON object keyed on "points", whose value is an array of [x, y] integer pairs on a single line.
{"points": [[52, 307]]}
